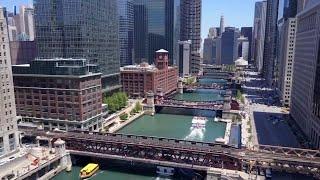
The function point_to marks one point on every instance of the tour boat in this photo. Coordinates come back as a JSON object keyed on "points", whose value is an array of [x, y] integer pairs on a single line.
{"points": [[199, 122], [88, 170]]}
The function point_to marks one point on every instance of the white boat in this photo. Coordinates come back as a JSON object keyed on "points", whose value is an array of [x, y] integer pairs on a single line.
{"points": [[199, 122]]}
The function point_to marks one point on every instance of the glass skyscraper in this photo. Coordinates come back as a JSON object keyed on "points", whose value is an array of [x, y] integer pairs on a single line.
{"points": [[228, 45], [80, 29], [126, 31], [157, 26]]}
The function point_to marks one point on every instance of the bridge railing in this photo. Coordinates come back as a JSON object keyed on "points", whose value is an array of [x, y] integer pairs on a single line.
{"points": [[308, 153]]}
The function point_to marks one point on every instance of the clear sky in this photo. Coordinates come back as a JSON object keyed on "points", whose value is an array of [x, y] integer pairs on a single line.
{"points": [[236, 13]]}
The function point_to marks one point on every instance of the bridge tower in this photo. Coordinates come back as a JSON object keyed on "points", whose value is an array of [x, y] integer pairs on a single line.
{"points": [[180, 86], [227, 101], [150, 108]]}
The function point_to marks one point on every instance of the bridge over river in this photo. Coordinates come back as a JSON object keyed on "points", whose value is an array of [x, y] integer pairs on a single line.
{"points": [[186, 154]]}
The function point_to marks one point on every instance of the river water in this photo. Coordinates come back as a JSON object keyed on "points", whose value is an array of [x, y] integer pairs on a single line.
{"points": [[204, 95], [175, 126], [102, 175]]}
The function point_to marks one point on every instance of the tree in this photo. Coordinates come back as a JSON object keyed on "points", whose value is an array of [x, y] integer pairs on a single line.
{"points": [[124, 116], [116, 101], [138, 107]]}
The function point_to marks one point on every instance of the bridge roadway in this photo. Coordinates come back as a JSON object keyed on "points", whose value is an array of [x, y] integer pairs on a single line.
{"points": [[191, 105], [188, 154]]}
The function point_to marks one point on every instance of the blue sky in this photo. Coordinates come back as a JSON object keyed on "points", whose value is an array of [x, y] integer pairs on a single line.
{"points": [[236, 13]]}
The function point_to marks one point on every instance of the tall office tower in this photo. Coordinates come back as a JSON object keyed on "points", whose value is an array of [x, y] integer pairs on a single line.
{"points": [[80, 29], [218, 50], [157, 26], [9, 138], [247, 32], [269, 53], [191, 30], [191, 22], [229, 45], [286, 59], [222, 29], [214, 32], [285, 46], [305, 96], [209, 51], [26, 23], [126, 31], [259, 33], [243, 47], [184, 58]]}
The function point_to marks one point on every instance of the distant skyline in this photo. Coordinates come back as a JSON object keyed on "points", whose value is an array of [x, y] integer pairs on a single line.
{"points": [[237, 13]]}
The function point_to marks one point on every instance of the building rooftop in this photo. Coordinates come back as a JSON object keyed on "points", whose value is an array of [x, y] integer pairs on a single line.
{"points": [[56, 66], [162, 51], [241, 62]]}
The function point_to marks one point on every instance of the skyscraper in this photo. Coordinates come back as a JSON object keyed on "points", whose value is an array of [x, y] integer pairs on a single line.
{"points": [[247, 32], [259, 33], [9, 138], [229, 51], [243, 47], [191, 30], [184, 58], [157, 26], [285, 48], [305, 98], [191, 22], [126, 31], [286, 59], [27, 23], [209, 50], [214, 32], [222, 29], [269, 53], [80, 29]]}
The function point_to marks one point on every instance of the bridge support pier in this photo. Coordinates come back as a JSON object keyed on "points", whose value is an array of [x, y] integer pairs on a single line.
{"points": [[180, 86], [150, 107], [60, 147]]}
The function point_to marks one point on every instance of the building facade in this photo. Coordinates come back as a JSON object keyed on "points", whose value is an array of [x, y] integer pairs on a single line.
{"points": [[9, 137], [184, 58], [137, 80], [191, 30], [269, 53], [306, 79], [259, 33], [27, 23], [229, 51], [59, 93], [286, 60], [243, 47], [126, 31], [22, 52], [247, 32], [61, 34], [157, 26], [285, 48], [209, 51]]}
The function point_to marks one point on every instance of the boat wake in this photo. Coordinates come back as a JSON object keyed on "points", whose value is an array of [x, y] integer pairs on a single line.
{"points": [[197, 129], [195, 134]]}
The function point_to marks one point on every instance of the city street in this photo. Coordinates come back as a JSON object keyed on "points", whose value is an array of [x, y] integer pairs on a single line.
{"points": [[268, 126]]}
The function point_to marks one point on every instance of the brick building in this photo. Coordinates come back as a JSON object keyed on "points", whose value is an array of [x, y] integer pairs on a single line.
{"points": [[59, 93], [136, 80]]}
